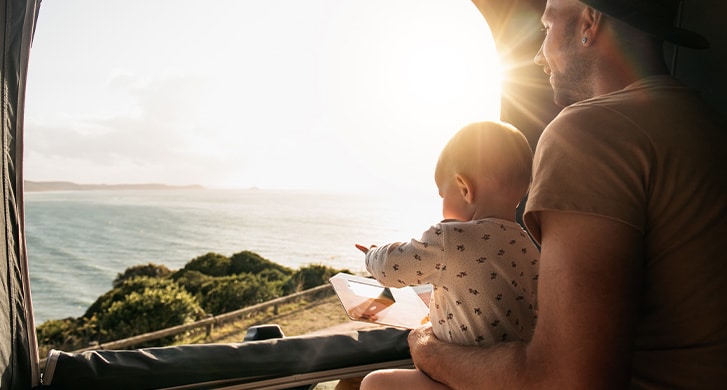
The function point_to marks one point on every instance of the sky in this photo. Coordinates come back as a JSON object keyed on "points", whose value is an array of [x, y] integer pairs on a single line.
{"points": [[316, 95]]}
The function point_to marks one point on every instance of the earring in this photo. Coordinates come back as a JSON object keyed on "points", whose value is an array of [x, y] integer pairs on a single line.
{"points": [[584, 40]]}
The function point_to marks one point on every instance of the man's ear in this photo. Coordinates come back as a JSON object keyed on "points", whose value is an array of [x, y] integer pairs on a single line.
{"points": [[591, 23], [466, 189]]}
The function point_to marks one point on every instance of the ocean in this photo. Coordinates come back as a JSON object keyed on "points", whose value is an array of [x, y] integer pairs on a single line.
{"points": [[78, 241]]}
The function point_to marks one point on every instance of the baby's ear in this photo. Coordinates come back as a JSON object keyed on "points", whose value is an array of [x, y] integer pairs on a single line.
{"points": [[466, 189]]}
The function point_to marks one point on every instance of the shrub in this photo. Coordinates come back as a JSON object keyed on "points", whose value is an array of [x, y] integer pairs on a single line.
{"points": [[151, 270], [308, 277], [137, 284], [153, 308], [212, 264], [59, 334], [191, 280], [273, 275], [67, 334], [252, 263], [230, 293]]}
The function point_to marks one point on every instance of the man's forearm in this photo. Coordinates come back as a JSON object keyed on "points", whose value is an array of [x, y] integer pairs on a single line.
{"points": [[469, 367]]}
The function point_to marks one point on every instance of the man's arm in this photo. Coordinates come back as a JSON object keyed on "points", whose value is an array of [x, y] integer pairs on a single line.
{"points": [[590, 272]]}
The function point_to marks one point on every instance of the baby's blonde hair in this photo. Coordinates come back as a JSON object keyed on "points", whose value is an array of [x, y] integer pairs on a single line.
{"points": [[492, 149]]}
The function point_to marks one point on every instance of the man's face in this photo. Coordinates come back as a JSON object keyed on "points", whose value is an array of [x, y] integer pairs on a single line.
{"points": [[562, 54]]}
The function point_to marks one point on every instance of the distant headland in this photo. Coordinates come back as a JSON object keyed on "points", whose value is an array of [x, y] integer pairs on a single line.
{"points": [[40, 186]]}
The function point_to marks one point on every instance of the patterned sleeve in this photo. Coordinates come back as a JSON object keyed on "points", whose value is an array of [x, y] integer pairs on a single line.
{"points": [[402, 264]]}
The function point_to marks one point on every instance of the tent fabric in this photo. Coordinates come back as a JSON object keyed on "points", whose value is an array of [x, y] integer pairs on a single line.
{"points": [[18, 347], [165, 367]]}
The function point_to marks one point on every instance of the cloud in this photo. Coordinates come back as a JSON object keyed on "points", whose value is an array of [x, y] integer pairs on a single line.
{"points": [[323, 94], [161, 134]]}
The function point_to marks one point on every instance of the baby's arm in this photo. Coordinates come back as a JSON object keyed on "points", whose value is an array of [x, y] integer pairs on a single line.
{"points": [[401, 264]]}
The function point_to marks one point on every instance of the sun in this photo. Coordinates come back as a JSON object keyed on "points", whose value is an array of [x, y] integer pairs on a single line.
{"points": [[408, 80], [441, 73]]}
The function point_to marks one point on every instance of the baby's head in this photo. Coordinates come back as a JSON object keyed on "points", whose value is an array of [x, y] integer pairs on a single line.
{"points": [[491, 162]]}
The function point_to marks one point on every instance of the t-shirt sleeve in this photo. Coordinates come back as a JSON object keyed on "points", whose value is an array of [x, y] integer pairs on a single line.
{"points": [[591, 161]]}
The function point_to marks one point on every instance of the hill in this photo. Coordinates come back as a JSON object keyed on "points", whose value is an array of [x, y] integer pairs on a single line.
{"points": [[40, 186], [148, 297]]}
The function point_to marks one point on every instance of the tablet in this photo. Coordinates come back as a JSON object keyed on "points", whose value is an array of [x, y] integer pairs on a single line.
{"points": [[365, 299]]}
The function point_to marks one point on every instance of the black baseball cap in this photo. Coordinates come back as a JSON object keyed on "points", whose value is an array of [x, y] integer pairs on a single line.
{"points": [[654, 17]]}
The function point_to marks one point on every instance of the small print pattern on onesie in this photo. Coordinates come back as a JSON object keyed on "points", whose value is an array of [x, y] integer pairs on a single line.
{"points": [[484, 274]]}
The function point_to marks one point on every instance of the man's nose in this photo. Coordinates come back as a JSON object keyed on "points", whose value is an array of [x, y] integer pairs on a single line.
{"points": [[539, 59]]}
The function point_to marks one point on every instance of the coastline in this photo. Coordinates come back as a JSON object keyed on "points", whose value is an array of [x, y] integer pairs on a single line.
{"points": [[45, 186]]}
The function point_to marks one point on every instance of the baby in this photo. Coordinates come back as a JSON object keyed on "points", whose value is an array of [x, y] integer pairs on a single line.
{"points": [[482, 265]]}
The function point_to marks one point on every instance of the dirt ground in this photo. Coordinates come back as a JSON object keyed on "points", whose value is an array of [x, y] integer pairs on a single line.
{"points": [[325, 315]]}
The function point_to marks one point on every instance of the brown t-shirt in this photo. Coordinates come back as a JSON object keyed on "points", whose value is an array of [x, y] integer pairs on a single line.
{"points": [[650, 156]]}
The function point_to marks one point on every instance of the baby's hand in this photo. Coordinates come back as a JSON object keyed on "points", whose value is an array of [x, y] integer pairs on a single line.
{"points": [[363, 248]]}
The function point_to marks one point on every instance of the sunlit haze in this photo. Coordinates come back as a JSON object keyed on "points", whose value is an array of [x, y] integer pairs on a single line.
{"points": [[317, 94]]}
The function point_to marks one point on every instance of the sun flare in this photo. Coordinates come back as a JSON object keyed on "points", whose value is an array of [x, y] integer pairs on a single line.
{"points": [[313, 95]]}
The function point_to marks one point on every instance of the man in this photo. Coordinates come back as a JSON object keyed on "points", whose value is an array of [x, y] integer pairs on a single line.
{"points": [[629, 204]]}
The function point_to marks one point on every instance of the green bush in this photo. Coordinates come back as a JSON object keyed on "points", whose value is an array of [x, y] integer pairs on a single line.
{"points": [[225, 294], [252, 263], [273, 275], [308, 277], [59, 333], [153, 308], [138, 284], [68, 334], [212, 264], [191, 280], [151, 270]]}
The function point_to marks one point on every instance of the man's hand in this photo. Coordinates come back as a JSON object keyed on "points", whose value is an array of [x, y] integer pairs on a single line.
{"points": [[419, 339]]}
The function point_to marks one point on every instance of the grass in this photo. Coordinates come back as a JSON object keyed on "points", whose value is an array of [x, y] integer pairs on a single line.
{"points": [[294, 319]]}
